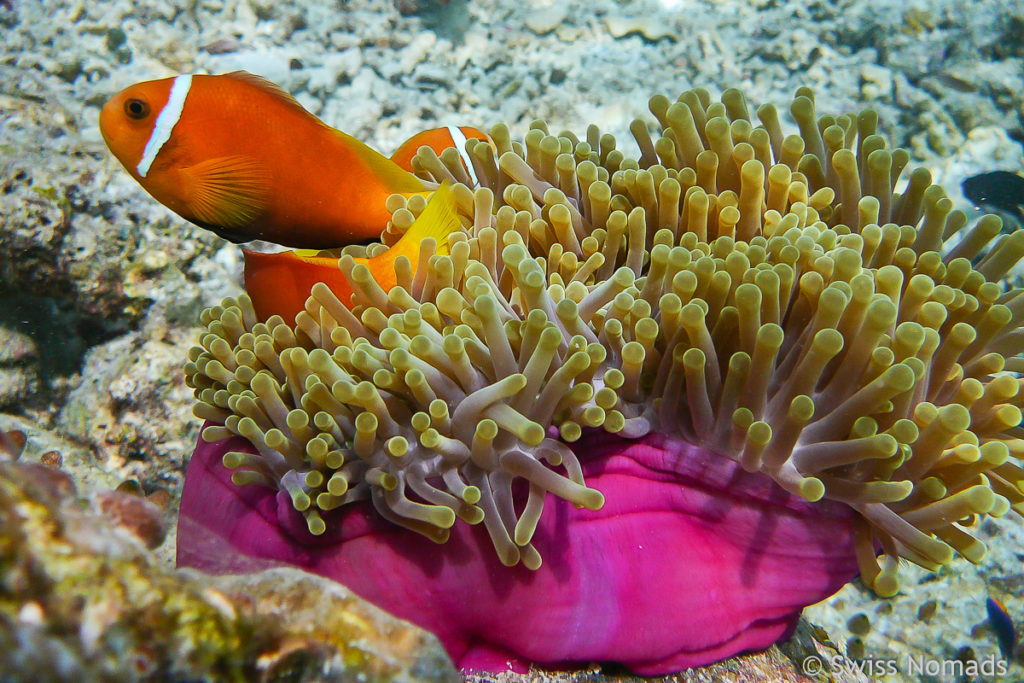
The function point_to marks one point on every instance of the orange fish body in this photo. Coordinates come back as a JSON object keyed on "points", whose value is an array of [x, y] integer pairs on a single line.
{"points": [[239, 156], [280, 283], [440, 139]]}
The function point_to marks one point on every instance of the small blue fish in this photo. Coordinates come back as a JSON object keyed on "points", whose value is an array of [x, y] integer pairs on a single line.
{"points": [[1001, 623]]}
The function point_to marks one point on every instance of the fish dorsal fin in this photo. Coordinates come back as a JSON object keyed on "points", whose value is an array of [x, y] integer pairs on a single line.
{"points": [[270, 88], [438, 220], [226, 192], [394, 177]]}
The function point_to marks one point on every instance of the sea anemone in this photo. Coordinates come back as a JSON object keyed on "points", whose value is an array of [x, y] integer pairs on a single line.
{"points": [[744, 368]]}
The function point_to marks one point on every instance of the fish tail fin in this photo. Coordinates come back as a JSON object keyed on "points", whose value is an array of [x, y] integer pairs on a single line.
{"points": [[438, 220]]}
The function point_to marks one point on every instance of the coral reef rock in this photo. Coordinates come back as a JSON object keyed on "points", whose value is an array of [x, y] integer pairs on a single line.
{"points": [[81, 599]]}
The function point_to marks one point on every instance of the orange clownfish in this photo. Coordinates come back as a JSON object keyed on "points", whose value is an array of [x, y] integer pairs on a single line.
{"points": [[279, 284], [440, 139], [239, 156]]}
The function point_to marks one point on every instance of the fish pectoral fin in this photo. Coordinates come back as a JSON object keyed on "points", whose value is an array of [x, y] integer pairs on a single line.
{"points": [[228, 192]]}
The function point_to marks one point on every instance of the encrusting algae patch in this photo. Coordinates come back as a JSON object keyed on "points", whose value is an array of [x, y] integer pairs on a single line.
{"points": [[765, 297]]}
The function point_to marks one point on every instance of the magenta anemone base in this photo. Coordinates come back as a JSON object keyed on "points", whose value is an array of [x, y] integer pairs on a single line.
{"points": [[691, 560]]}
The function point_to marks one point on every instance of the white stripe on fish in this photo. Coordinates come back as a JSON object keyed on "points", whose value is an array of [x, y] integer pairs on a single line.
{"points": [[460, 144], [165, 122]]}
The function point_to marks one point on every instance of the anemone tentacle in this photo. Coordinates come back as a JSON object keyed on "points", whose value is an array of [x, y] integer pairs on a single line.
{"points": [[768, 297]]}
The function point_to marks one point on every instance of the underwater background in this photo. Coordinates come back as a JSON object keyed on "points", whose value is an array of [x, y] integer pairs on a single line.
{"points": [[101, 286]]}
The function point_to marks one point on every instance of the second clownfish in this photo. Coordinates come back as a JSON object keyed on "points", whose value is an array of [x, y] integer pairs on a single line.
{"points": [[239, 156], [440, 139]]}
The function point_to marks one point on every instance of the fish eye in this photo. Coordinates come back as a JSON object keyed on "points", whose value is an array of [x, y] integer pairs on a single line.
{"points": [[136, 109]]}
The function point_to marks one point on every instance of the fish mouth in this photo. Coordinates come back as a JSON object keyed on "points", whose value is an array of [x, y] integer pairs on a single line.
{"points": [[690, 560], [106, 119]]}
